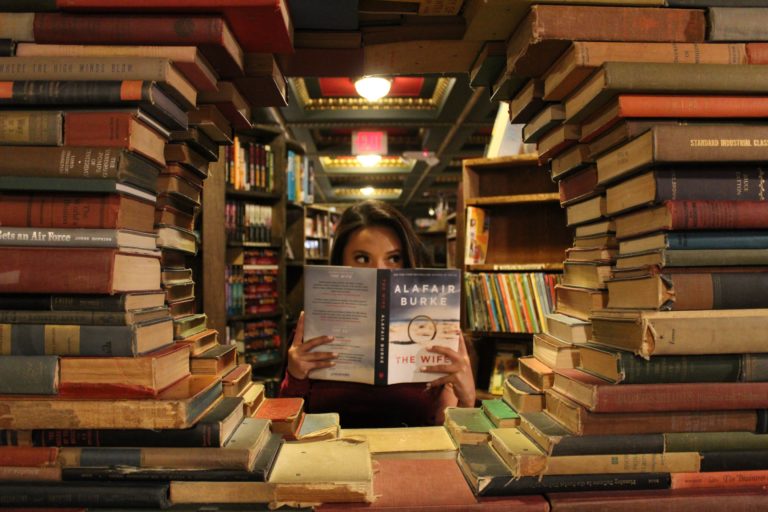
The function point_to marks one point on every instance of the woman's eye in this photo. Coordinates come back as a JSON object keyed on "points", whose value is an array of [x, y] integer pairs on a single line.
{"points": [[395, 258], [361, 258]]}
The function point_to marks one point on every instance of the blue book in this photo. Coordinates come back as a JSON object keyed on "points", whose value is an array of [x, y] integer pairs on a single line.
{"points": [[696, 240]]}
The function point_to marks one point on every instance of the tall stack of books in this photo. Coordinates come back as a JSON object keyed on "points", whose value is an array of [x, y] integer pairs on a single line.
{"points": [[111, 384], [650, 122]]}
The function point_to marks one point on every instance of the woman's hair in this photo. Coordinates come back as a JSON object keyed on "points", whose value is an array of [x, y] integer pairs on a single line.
{"points": [[378, 213]]}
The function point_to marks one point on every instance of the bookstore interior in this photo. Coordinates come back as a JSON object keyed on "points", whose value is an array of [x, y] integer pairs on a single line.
{"points": [[562, 323]]}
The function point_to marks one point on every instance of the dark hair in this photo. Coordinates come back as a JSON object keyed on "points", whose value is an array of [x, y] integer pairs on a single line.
{"points": [[378, 213]]}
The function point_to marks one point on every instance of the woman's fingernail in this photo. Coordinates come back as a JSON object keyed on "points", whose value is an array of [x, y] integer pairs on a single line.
{"points": [[430, 347], [423, 369]]}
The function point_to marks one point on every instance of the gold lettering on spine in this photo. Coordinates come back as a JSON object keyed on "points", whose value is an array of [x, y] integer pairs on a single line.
{"points": [[5, 339], [62, 339]]}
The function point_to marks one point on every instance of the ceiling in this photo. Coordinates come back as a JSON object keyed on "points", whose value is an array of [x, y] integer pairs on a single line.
{"points": [[434, 112]]}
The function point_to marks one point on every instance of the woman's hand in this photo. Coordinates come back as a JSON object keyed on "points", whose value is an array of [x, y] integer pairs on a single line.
{"points": [[459, 372], [300, 360]]}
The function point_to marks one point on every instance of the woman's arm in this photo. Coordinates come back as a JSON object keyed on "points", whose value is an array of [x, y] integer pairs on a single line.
{"points": [[301, 361]]}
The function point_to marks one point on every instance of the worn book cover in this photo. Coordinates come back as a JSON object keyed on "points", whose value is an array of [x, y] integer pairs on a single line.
{"points": [[383, 320]]}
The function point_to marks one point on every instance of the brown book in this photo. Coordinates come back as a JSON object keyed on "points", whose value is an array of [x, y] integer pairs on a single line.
{"points": [[123, 377], [615, 78], [32, 127], [263, 84], [570, 160], [554, 352], [420, 57], [183, 307], [579, 185], [581, 422], [210, 120], [179, 290], [90, 211], [82, 270], [731, 23], [587, 210], [178, 406], [600, 253], [687, 289], [535, 373], [580, 303], [693, 214], [620, 133], [216, 361], [586, 274], [489, 64], [600, 240], [557, 140], [548, 30], [114, 129], [200, 342], [187, 59], [236, 380], [680, 500], [101, 69], [285, 414], [170, 216], [468, 425], [232, 104], [547, 118], [527, 102], [601, 227], [521, 396], [685, 144], [729, 182], [415, 28], [176, 238], [175, 181], [681, 332], [584, 57], [568, 328], [184, 154]]}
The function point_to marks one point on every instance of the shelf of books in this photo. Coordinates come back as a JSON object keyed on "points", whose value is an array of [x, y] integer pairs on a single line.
{"points": [[514, 237]]}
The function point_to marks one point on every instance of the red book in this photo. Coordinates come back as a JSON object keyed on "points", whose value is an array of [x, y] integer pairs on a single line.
{"points": [[262, 26], [673, 106], [757, 53], [285, 413], [75, 270], [97, 211], [720, 479], [579, 185], [210, 34], [679, 500], [28, 456], [599, 395]]}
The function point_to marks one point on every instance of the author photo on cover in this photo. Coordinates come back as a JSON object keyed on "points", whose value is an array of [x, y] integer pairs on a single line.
{"points": [[373, 234]]}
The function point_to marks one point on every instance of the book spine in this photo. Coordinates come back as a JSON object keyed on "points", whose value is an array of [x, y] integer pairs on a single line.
{"points": [[746, 460], [754, 368], [691, 240], [30, 456], [710, 143], [677, 369], [58, 237], [28, 6], [117, 474], [720, 480], [201, 435], [733, 24], [85, 494], [507, 486], [717, 214], [27, 474], [63, 28], [39, 128], [700, 396], [60, 162], [115, 92], [78, 340], [382, 327], [757, 53], [29, 375], [665, 106], [609, 444], [59, 211], [98, 128], [88, 302], [731, 183]]}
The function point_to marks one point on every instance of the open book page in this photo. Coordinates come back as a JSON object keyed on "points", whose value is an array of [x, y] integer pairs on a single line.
{"points": [[341, 302]]}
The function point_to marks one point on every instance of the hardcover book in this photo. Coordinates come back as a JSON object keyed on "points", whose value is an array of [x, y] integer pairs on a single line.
{"points": [[383, 320]]}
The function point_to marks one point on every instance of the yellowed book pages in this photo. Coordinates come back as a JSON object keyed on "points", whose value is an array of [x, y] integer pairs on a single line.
{"points": [[221, 492], [337, 470], [414, 442]]}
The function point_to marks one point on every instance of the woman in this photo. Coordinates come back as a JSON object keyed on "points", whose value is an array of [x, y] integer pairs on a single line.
{"points": [[375, 235]]}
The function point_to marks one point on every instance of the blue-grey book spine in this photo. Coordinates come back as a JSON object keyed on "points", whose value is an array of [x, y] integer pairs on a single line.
{"points": [[85, 494], [733, 239], [29, 375]]}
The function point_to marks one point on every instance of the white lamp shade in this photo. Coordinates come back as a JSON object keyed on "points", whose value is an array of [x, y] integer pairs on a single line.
{"points": [[373, 88]]}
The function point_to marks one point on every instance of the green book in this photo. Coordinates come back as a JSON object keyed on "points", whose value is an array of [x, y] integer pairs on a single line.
{"points": [[500, 413], [468, 425]]}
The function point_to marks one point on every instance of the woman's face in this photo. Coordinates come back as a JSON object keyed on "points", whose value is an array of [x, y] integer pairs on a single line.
{"points": [[373, 247]]}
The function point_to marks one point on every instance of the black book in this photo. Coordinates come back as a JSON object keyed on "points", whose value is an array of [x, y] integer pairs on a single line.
{"points": [[487, 475], [85, 494], [743, 460]]}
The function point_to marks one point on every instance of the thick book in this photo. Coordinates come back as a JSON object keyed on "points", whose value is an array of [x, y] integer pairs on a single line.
{"points": [[488, 475], [29, 375], [525, 458], [383, 320], [733, 23], [649, 333], [123, 377], [579, 303], [263, 84], [554, 439], [521, 396], [500, 413], [682, 500], [723, 182], [553, 351], [468, 425], [621, 366], [188, 59], [584, 57], [669, 144], [674, 214], [568, 329], [720, 479], [76, 210], [599, 395], [615, 78], [82, 270], [668, 258], [547, 31], [405, 442], [695, 240], [86, 93], [32, 127], [213, 429], [680, 288], [179, 406], [659, 106], [121, 302], [285, 413], [85, 494], [83, 317], [134, 242], [85, 340], [275, 34], [101, 68], [579, 421]]}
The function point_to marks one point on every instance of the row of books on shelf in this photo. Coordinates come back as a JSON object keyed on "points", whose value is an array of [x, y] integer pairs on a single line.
{"points": [[251, 289], [299, 178], [248, 222], [249, 166]]}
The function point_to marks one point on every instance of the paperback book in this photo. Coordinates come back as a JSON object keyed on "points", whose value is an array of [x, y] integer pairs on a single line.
{"points": [[383, 321]]}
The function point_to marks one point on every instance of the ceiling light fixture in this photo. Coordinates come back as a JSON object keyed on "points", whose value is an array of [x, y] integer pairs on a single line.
{"points": [[373, 88], [367, 191], [369, 160]]}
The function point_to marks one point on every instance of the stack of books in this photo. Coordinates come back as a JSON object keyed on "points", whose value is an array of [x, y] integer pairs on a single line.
{"points": [[649, 120]]}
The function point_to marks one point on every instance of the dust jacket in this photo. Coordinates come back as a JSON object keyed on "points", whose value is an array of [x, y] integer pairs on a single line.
{"points": [[383, 320]]}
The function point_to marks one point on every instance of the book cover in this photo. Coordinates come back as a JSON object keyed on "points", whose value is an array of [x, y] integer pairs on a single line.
{"points": [[383, 320], [406, 442]]}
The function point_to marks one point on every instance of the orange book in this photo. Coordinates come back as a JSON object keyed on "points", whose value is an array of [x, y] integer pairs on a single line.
{"points": [[28, 456], [285, 413], [720, 479]]}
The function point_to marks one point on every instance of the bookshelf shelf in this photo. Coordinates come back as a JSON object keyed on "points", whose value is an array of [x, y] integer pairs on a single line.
{"points": [[514, 199]]}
